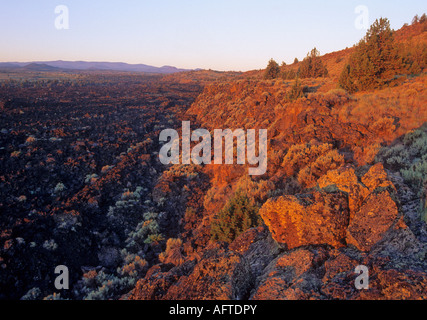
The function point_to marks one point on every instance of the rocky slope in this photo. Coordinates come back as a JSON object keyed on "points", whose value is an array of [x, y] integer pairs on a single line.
{"points": [[342, 190]]}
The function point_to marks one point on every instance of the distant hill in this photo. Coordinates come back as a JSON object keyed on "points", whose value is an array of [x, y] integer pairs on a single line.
{"points": [[85, 65], [39, 67]]}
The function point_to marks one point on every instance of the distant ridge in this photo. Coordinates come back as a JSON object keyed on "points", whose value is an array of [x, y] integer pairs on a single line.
{"points": [[39, 67], [86, 65]]}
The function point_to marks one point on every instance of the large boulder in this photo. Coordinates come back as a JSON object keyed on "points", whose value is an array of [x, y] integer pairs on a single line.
{"points": [[346, 180], [376, 177], [377, 215], [318, 218], [373, 210], [158, 280], [320, 273]]}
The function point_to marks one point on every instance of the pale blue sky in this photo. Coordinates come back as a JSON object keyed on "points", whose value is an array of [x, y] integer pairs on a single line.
{"points": [[218, 34]]}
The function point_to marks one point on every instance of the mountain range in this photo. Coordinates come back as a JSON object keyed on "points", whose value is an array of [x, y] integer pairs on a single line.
{"points": [[86, 65]]}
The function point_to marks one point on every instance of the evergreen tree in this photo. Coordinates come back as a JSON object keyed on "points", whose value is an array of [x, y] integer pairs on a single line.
{"points": [[374, 60], [272, 71], [312, 66]]}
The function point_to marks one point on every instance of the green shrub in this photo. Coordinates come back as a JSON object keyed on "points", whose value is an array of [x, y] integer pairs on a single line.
{"points": [[146, 232], [296, 91], [410, 158], [237, 216]]}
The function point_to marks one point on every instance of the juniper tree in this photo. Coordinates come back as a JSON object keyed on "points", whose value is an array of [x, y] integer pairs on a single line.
{"points": [[312, 66], [374, 60], [272, 71]]}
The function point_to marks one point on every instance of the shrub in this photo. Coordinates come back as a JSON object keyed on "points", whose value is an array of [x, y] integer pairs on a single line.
{"points": [[237, 216], [190, 215], [410, 158], [146, 232], [54, 296], [257, 191], [15, 154], [296, 91], [105, 169], [33, 294], [308, 176], [173, 253], [30, 140], [308, 162], [300, 155], [91, 178], [134, 265], [289, 75], [60, 187], [50, 245], [108, 286]]}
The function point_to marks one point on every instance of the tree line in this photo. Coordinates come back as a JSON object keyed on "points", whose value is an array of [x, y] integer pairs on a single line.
{"points": [[378, 60]]}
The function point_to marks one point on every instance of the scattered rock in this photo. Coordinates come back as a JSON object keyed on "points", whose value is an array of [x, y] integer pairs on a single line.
{"points": [[220, 275], [291, 276]]}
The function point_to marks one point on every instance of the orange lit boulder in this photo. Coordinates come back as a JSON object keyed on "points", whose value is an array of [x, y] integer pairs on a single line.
{"points": [[346, 180], [372, 221], [317, 218], [376, 177]]}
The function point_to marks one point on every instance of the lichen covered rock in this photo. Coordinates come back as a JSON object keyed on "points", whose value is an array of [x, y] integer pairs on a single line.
{"points": [[372, 221], [317, 218]]}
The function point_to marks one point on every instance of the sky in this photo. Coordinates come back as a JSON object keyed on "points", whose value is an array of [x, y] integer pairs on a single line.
{"points": [[237, 35]]}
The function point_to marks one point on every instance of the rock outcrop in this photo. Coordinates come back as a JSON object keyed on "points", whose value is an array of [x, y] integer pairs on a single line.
{"points": [[376, 216], [376, 236], [345, 211], [317, 218], [219, 275]]}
